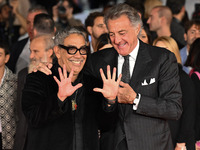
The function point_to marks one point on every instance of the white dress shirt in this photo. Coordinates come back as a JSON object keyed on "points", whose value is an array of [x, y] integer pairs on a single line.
{"points": [[132, 60]]}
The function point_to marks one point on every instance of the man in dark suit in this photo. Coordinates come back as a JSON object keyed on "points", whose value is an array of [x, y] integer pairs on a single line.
{"points": [[150, 96]]}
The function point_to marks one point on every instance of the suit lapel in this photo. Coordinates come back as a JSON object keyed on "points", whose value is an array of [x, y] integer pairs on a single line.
{"points": [[142, 66]]}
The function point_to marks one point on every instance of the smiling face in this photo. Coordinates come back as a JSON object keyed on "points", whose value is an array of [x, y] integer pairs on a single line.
{"points": [[75, 61], [123, 34]]}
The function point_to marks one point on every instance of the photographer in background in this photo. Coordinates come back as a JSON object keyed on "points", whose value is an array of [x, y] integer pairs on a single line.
{"points": [[63, 14]]}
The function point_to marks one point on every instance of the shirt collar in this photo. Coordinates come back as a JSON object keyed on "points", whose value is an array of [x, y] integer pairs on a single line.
{"points": [[4, 74]]}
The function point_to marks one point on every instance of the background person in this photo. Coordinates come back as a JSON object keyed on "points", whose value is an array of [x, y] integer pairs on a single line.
{"points": [[193, 61], [182, 130], [8, 94]]}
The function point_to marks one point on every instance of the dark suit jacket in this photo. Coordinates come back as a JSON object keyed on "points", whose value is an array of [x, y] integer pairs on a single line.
{"points": [[147, 127], [51, 125], [22, 124], [15, 53], [182, 130]]}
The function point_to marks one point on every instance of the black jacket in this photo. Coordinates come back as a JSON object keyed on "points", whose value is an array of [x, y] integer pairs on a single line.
{"points": [[51, 125]]}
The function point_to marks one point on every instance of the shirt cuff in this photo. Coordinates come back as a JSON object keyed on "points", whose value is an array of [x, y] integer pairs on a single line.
{"points": [[136, 102]]}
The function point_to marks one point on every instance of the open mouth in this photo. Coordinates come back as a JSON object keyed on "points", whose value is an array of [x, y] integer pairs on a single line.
{"points": [[76, 62], [121, 45]]}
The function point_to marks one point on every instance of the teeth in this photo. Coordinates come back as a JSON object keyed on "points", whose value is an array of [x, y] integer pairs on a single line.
{"points": [[122, 44], [76, 61]]}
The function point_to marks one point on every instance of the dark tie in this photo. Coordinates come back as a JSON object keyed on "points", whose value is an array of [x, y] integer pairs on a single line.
{"points": [[125, 76], [126, 70]]}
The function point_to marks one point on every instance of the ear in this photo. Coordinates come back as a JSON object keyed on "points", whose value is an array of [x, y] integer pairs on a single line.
{"points": [[138, 29], [7, 58], [57, 51], [50, 53], [163, 19], [89, 29], [185, 36], [34, 32]]}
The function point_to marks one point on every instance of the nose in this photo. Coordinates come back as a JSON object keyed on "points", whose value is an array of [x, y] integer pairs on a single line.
{"points": [[117, 39], [31, 55], [148, 21], [77, 55]]}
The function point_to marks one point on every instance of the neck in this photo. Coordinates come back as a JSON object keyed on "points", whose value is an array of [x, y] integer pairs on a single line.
{"points": [[178, 17], [164, 32], [2, 69], [188, 48], [93, 43]]}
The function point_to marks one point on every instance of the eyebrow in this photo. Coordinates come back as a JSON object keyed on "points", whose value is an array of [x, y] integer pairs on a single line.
{"points": [[74, 46], [123, 30]]}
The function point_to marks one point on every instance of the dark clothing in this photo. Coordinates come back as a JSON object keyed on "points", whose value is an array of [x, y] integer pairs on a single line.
{"points": [[52, 122], [22, 124], [146, 127], [182, 130], [9, 34], [177, 30], [196, 81], [16, 50]]}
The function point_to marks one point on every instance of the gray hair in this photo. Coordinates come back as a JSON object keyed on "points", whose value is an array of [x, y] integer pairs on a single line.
{"points": [[48, 41], [123, 9], [61, 35]]}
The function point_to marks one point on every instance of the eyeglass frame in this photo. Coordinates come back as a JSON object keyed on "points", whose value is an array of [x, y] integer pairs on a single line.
{"points": [[77, 49]]}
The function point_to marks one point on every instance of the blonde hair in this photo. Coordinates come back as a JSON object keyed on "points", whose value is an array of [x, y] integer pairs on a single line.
{"points": [[149, 5], [171, 45]]}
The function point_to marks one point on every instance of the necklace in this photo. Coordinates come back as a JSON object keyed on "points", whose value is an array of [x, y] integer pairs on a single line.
{"points": [[74, 104]]}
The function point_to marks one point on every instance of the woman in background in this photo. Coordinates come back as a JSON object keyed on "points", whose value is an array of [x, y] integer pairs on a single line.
{"points": [[145, 35], [193, 61], [103, 42], [182, 130]]}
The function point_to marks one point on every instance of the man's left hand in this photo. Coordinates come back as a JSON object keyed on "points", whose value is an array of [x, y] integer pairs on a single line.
{"points": [[126, 94]]}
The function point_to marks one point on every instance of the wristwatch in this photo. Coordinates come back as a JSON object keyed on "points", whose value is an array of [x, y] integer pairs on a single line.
{"points": [[136, 98]]}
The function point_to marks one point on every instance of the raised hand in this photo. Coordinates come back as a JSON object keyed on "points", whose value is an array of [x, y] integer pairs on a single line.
{"points": [[65, 87], [110, 86]]}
